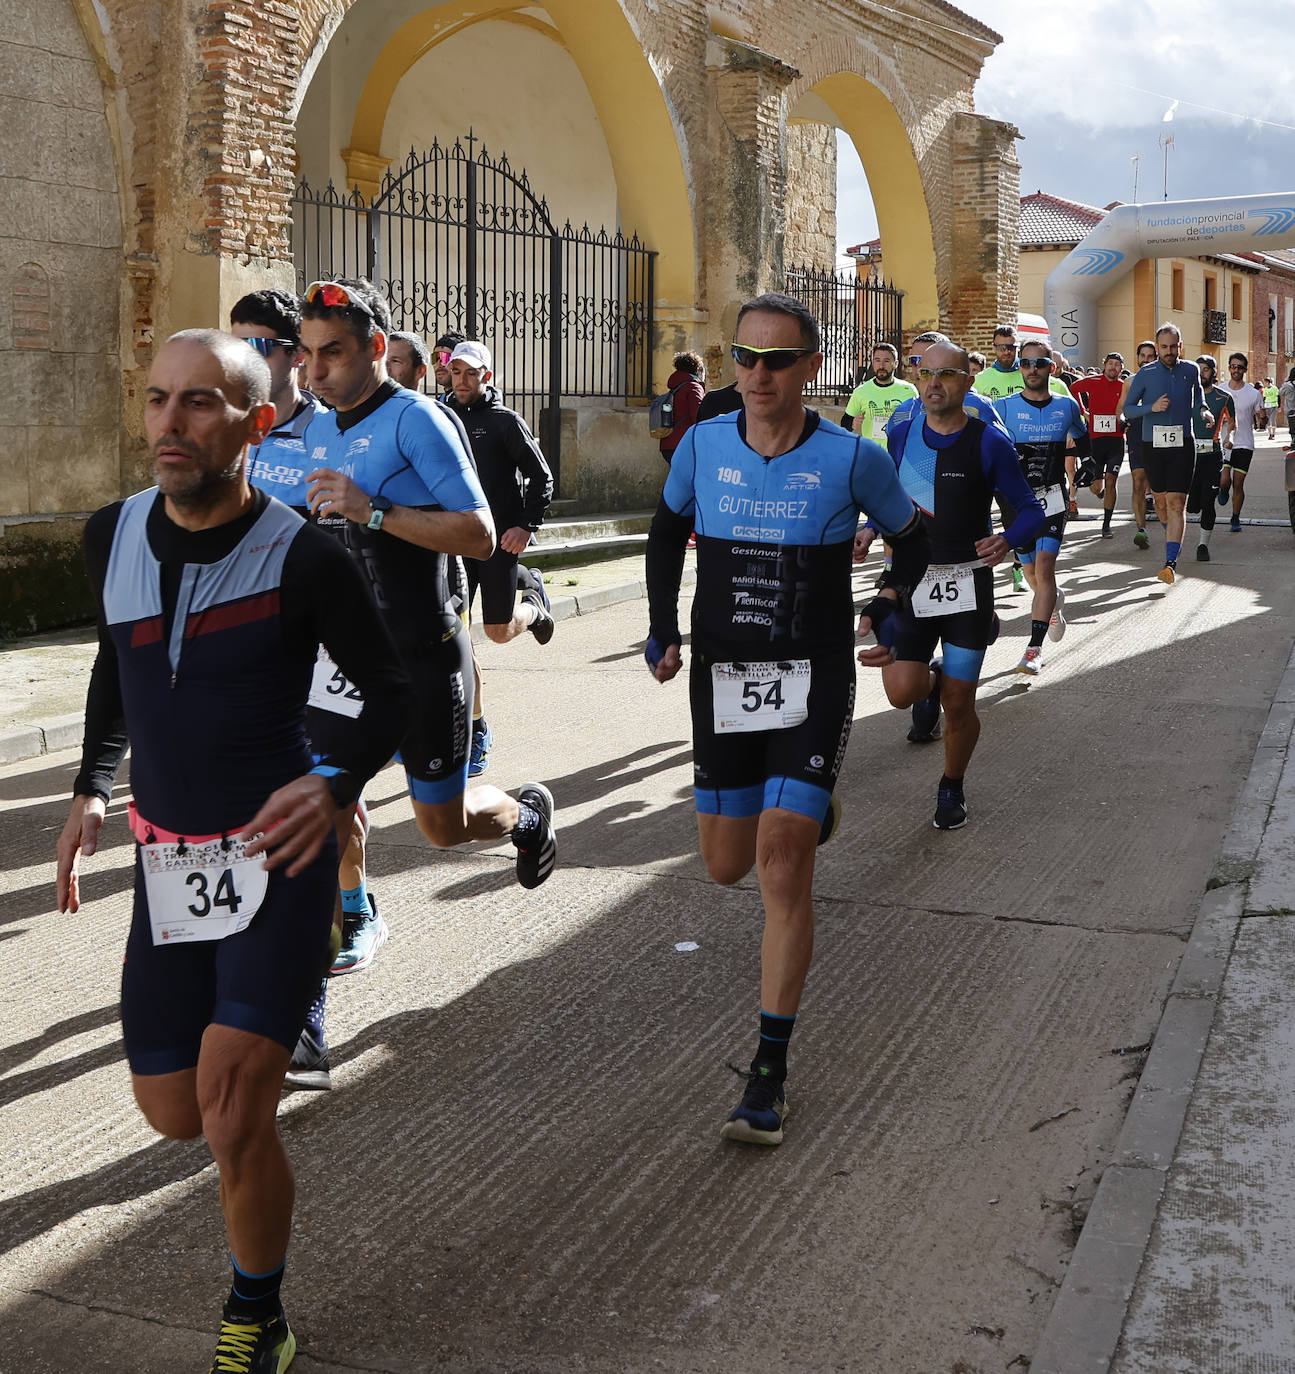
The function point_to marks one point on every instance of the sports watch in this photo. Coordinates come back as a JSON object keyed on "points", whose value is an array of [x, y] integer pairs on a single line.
{"points": [[381, 505]]}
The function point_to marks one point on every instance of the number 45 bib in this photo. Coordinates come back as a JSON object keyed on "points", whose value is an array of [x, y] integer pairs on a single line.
{"points": [[946, 589], [760, 696]]}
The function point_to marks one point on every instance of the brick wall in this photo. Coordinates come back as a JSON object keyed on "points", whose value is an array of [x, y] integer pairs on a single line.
{"points": [[985, 219]]}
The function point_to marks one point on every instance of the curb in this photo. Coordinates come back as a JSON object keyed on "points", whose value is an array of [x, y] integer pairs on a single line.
{"points": [[1087, 1320], [65, 732]]}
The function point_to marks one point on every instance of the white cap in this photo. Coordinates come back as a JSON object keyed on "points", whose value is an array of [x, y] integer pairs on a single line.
{"points": [[475, 354]]}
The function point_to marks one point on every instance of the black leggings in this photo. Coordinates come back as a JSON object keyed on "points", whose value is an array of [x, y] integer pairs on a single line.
{"points": [[1202, 494]]}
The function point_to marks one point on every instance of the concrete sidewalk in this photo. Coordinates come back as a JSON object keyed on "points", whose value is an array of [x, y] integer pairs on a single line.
{"points": [[43, 677]]}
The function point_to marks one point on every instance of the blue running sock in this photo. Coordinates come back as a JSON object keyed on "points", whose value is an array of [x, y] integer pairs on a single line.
{"points": [[775, 1034], [355, 900], [256, 1295], [1172, 548], [315, 1015]]}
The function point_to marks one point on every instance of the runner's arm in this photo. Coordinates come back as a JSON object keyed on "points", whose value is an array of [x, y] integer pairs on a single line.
{"points": [[537, 479], [104, 742], [668, 542]]}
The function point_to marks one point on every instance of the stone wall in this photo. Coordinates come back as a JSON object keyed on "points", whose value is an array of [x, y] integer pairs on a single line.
{"points": [[60, 279], [810, 234]]}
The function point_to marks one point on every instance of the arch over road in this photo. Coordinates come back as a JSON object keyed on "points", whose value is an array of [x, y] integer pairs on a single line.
{"points": [[1171, 228]]}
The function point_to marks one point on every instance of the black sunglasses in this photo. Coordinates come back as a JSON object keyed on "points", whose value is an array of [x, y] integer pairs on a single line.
{"points": [[1036, 362], [265, 347], [775, 359]]}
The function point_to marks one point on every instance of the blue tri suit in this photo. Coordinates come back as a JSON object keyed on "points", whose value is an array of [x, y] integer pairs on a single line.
{"points": [[953, 478], [774, 547], [277, 465], [1039, 431], [405, 446], [1169, 466]]}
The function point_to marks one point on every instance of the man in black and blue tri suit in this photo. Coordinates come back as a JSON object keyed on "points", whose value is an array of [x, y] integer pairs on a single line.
{"points": [[952, 465], [213, 600], [1039, 422], [774, 493], [392, 478]]}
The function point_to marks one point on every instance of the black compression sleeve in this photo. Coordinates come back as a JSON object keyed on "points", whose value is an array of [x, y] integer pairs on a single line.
{"points": [[104, 741], [910, 553], [327, 601], [1084, 445], [666, 546]]}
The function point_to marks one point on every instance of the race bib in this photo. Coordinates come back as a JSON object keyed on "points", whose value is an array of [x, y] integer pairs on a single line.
{"points": [[331, 690], [760, 696], [201, 891], [1166, 436], [946, 589], [1205, 446], [1104, 424], [1053, 498]]}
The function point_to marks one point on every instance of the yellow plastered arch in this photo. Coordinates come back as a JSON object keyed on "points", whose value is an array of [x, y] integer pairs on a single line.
{"points": [[908, 248], [651, 185]]}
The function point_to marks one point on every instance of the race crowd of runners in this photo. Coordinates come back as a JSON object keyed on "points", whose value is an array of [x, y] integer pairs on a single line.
{"points": [[287, 609]]}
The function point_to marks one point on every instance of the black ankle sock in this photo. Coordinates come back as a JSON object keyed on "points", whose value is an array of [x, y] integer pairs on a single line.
{"points": [[256, 1295], [528, 823], [1038, 628], [479, 725], [955, 784], [1106, 519], [775, 1034]]}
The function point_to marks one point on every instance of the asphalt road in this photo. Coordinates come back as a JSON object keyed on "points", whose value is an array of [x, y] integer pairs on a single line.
{"points": [[519, 1166]]}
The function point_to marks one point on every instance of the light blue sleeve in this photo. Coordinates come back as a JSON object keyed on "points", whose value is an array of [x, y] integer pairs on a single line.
{"points": [[432, 445], [1078, 425], [876, 488], [679, 493]]}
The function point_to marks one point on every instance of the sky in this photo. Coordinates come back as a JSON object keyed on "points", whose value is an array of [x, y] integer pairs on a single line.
{"points": [[1088, 86]]}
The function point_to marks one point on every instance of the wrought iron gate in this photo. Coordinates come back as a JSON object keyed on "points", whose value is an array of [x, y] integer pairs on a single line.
{"points": [[458, 241], [856, 314]]}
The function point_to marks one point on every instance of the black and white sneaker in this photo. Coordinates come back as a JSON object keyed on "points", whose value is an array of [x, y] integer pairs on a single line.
{"points": [[309, 1066], [950, 810], [534, 595], [536, 858]]}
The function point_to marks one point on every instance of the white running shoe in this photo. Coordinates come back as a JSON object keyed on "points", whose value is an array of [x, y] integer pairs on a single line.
{"points": [[1057, 625], [1031, 661]]}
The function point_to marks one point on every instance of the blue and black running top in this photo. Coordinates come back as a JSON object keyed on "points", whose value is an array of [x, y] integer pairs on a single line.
{"points": [[774, 537], [953, 478], [404, 446], [1039, 430], [1181, 383], [277, 465], [207, 642]]}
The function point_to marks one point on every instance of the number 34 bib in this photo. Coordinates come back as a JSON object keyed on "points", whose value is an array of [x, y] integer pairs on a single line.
{"points": [[201, 891], [760, 696]]}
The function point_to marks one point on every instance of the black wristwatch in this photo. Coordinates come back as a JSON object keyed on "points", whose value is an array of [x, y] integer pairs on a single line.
{"points": [[380, 506]]}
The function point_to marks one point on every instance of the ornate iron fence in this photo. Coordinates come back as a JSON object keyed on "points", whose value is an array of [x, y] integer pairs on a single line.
{"points": [[459, 241], [856, 314]]}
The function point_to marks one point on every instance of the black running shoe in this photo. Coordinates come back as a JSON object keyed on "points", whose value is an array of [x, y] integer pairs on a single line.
{"points": [[758, 1118], [950, 810], [247, 1346], [533, 594], [535, 861], [1202, 553], [309, 1066], [926, 713]]}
